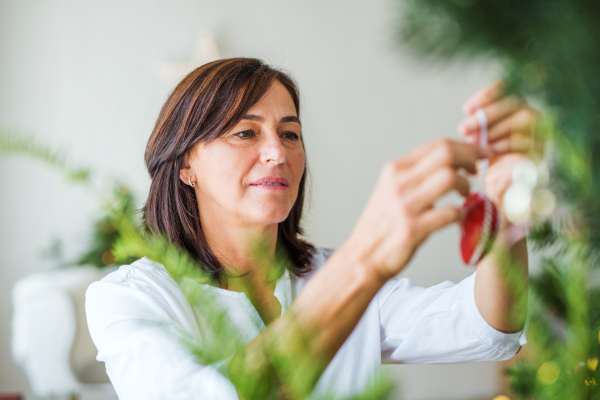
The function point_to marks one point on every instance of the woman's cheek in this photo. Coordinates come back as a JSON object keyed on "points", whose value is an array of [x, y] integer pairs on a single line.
{"points": [[299, 163]]}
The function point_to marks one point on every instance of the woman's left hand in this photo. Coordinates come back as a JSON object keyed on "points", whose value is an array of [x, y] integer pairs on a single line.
{"points": [[511, 123]]}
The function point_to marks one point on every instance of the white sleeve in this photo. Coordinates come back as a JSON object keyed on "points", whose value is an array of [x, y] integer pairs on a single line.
{"points": [[440, 324], [137, 339]]}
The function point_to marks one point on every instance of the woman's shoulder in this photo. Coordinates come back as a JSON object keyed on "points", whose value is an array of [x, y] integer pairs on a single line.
{"points": [[320, 256], [141, 272], [143, 281], [142, 290]]}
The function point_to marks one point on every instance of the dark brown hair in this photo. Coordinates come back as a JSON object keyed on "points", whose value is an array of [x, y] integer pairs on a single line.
{"points": [[207, 103]]}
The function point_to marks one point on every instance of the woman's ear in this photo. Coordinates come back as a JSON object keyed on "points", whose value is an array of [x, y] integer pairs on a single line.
{"points": [[185, 171]]}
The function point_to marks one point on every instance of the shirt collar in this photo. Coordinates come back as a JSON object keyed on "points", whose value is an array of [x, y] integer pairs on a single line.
{"points": [[283, 291]]}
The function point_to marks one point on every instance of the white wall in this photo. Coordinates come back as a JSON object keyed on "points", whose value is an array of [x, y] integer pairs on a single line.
{"points": [[79, 74]]}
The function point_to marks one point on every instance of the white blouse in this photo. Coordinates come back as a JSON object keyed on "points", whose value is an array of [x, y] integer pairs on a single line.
{"points": [[128, 310]]}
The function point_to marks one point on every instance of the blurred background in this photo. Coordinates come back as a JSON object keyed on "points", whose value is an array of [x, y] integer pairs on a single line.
{"points": [[89, 77]]}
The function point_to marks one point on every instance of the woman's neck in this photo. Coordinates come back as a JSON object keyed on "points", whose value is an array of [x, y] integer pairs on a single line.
{"points": [[247, 254]]}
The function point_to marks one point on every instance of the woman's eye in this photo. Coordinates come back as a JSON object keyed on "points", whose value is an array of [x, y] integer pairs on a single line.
{"points": [[244, 134], [291, 135]]}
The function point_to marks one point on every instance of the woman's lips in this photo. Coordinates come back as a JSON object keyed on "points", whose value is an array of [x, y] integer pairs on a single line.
{"points": [[270, 187], [271, 183]]}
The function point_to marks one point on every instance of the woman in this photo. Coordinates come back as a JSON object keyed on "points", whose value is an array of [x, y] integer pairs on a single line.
{"points": [[227, 163]]}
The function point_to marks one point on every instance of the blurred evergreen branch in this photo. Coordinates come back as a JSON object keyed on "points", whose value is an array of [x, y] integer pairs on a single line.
{"points": [[104, 233], [13, 142]]}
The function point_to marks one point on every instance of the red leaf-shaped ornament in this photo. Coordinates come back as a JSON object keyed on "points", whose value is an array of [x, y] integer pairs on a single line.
{"points": [[478, 228]]}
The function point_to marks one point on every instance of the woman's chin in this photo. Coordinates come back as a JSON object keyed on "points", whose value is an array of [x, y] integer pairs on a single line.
{"points": [[271, 217]]}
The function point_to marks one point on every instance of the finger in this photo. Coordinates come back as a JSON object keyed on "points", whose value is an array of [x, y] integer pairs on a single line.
{"points": [[513, 144], [444, 152], [414, 156], [494, 112], [437, 218], [521, 121], [484, 97], [435, 186], [499, 178]]}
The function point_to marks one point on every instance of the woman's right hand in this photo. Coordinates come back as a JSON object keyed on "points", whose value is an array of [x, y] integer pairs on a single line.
{"points": [[400, 215]]}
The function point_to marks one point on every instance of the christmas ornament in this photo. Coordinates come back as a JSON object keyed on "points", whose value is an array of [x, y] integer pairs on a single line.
{"points": [[480, 223], [527, 196], [478, 228]]}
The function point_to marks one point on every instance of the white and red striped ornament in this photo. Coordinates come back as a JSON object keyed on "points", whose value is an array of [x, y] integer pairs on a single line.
{"points": [[481, 222]]}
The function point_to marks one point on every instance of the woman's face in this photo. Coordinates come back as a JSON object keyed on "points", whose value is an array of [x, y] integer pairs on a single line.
{"points": [[251, 174]]}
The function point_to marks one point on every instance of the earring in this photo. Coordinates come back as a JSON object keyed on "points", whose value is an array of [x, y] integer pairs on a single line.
{"points": [[190, 181]]}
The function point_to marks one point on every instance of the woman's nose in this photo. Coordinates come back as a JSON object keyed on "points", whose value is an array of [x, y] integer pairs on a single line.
{"points": [[272, 150]]}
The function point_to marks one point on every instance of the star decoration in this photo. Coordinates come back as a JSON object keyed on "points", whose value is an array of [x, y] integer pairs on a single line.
{"points": [[206, 51]]}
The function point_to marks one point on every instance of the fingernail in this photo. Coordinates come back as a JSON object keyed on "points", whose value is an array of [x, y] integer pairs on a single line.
{"points": [[471, 107], [467, 125], [471, 139]]}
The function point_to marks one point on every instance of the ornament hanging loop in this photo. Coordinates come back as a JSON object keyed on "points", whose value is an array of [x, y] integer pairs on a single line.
{"points": [[483, 143]]}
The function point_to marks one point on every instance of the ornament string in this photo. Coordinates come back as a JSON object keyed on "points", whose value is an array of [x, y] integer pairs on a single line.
{"points": [[483, 143], [486, 224]]}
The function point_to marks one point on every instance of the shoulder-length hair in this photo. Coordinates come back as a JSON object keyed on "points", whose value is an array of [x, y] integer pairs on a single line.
{"points": [[207, 103]]}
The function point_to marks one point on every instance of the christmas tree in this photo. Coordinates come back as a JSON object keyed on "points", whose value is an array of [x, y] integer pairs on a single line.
{"points": [[550, 52]]}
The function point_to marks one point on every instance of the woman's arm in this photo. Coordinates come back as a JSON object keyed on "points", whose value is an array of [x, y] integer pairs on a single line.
{"points": [[398, 217], [438, 324], [501, 284]]}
